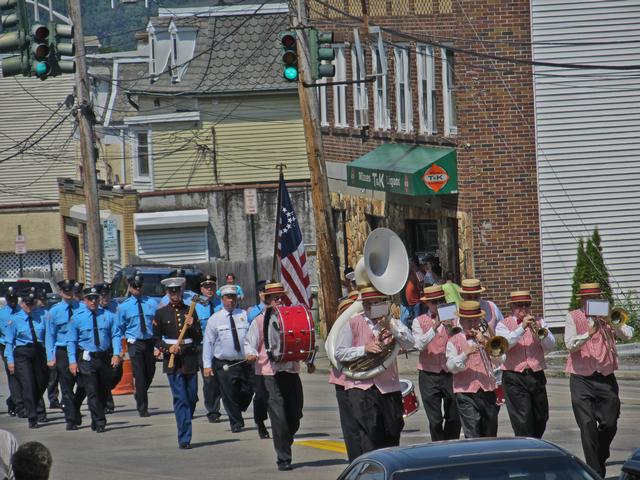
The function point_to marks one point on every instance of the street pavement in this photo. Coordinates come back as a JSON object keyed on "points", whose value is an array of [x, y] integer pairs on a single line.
{"points": [[146, 448]]}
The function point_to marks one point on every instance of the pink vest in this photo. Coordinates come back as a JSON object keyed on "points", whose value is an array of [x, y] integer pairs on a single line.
{"points": [[475, 377], [263, 365], [527, 353], [433, 358], [336, 378], [596, 354], [388, 381]]}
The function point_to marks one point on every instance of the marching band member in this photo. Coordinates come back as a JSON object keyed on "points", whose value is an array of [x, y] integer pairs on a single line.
{"points": [[27, 357], [436, 382], [94, 344], [281, 380], [592, 361], [223, 342], [135, 316], [183, 375], [523, 375], [207, 305], [474, 383], [376, 403], [14, 400], [350, 432]]}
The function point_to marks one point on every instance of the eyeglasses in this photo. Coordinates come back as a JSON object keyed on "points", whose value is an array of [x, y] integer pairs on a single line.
{"points": [[521, 305]]}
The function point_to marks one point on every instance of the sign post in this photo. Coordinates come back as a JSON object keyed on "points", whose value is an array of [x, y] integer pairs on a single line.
{"points": [[21, 248], [251, 209]]}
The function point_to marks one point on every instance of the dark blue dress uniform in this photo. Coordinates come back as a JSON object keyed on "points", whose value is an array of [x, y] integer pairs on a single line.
{"points": [[92, 336], [25, 349], [210, 385], [183, 377], [135, 316]]}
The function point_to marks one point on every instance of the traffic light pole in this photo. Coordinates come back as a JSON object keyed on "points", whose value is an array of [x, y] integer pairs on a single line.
{"points": [[325, 235], [85, 117]]}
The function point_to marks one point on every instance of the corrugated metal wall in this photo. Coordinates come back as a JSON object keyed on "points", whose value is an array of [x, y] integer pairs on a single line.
{"points": [[588, 132], [174, 246]]}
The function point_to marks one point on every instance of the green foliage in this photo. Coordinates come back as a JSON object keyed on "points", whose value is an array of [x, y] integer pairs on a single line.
{"points": [[631, 303], [590, 267], [579, 273]]}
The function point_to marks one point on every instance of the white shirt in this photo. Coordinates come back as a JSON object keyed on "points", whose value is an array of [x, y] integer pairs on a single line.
{"points": [[421, 338], [218, 337], [458, 362], [574, 342], [548, 343]]}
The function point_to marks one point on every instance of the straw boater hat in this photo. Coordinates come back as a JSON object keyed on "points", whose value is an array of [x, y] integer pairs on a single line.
{"points": [[371, 293], [471, 285], [275, 288], [432, 293], [589, 290], [470, 309], [344, 304], [522, 296], [353, 295]]}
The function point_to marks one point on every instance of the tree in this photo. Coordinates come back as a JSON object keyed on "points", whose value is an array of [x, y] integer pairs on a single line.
{"points": [[579, 274], [600, 273]]}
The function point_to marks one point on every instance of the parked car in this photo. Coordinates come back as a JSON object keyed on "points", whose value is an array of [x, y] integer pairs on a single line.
{"points": [[48, 285], [477, 459], [152, 275], [631, 468]]}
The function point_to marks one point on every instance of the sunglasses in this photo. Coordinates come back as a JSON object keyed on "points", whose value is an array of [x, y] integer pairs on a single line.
{"points": [[521, 305]]}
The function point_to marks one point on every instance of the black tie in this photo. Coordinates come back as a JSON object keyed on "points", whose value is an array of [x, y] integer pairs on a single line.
{"points": [[70, 311], [34, 337], [211, 307], [143, 323], [96, 334], [234, 332]]}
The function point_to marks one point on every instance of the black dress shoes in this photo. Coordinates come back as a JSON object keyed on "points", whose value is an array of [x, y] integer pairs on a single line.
{"points": [[100, 429], [71, 426], [145, 413], [283, 467], [185, 446], [236, 429], [34, 425], [262, 430], [214, 418]]}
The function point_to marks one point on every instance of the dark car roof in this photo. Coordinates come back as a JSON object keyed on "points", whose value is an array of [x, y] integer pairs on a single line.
{"points": [[633, 463], [480, 450]]}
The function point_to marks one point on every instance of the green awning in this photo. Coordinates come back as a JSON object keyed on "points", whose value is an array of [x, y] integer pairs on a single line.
{"points": [[406, 169]]}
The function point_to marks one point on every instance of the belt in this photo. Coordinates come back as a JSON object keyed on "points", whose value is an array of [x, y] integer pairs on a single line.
{"points": [[59, 347], [174, 341], [93, 354], [222, 360], [134, 340]]}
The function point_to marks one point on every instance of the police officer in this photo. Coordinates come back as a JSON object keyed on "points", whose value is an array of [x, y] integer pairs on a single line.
{"points": [[223, 342], [110, 304], [135, 316], [26, 354], [209, 304], [14, 401], [77, 290], [93, 333], [53, 392], [183, 375], [57, 358]]}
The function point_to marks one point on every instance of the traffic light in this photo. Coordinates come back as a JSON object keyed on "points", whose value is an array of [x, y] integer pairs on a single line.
{"points": [[13, 13], [289, 44], [40, 51], [61, 48], [319, 54]]}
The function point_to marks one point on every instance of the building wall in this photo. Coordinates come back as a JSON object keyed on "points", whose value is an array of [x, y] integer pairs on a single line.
{"points": [[495, 140]]}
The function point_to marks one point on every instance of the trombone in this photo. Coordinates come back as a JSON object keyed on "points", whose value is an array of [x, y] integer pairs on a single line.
{"points": [[618, 317]]}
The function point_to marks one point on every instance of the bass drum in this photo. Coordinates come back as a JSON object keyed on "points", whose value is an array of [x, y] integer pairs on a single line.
{"points": [[289, 334]]}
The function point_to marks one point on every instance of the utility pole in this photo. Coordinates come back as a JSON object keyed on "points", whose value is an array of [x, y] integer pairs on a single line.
{"points": [[85, 118], [325, 234]]}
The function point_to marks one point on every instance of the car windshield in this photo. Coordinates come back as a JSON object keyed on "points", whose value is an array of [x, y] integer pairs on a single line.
{"points": [[153, 288], [560, 468], [19, 285]]}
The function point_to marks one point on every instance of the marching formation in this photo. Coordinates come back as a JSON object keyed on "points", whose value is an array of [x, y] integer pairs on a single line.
{"points": [[471, 361]]}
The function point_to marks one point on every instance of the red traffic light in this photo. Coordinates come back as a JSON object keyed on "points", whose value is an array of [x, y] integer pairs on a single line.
{"points": [[288, 40], [40, 33]]}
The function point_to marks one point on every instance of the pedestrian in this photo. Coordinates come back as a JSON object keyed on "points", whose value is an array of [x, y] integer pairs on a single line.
{"points": [[135, 318], [183, 374], [230, 279], [411, 306], [31, 461], [15, 406], [451, 290], [208, 304], [8, 446]]}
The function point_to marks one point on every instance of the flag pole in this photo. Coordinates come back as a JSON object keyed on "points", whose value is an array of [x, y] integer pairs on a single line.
{"points": [[274, 265]]}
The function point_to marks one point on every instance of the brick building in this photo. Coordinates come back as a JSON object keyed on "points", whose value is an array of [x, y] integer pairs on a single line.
{"points": [[462, 121]]}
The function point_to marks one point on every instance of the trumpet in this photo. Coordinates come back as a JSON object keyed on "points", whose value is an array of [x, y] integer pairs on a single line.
{"points": [[537, 330], [618, 317]]}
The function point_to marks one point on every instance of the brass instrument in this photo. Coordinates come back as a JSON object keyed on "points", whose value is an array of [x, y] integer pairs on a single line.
{"points": [[537, 330], [496, 346], [452, 329], [618, 317], [371, 360]]}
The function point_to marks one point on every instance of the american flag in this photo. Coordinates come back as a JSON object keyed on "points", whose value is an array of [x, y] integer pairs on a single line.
{"points": [[293, 260]]}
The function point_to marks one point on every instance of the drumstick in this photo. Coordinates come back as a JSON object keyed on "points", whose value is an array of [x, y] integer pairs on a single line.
{"points": [[183, 331], [227, 366]]}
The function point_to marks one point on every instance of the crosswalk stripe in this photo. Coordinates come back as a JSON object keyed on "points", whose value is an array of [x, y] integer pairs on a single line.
{"points": [[330, 445]]}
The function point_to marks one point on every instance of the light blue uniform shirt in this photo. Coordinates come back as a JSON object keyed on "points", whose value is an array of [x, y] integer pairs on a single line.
{"points": [[19, 332], [253, 312], [56, 335], [112, 306], [186, 298], [204, 311], [5, 313], [80, 333], [218, 338], [129, 317]]}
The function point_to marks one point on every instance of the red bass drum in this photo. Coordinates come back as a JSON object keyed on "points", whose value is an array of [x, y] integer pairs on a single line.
{"points": [[289, 334]]}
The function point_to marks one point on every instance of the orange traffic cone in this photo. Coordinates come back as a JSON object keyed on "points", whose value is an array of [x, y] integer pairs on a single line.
{"points": [[125, 387]]}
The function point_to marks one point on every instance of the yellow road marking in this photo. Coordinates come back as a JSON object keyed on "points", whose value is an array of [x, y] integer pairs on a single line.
{"points": [[330, 445]]}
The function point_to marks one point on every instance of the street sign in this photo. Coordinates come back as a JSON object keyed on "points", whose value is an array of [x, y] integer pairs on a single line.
{"points": [[21, 245], [110, 235], [250, 201]]}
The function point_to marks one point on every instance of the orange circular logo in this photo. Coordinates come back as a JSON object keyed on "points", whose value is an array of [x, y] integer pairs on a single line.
{"points": [[435, 177]]}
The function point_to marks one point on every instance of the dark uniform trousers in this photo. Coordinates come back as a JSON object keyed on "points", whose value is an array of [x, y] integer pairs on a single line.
{"points": [[52, 386], [379, 417], [14, 401], [285, 411], [527, 402], [95, 376], [143, 364], [348, 424], [33, 375], [116, 376], [67, 382], [237, 388], [184, 390], [596, 406], [260, 398], [478, 413], [210, 390], [436, 390]]}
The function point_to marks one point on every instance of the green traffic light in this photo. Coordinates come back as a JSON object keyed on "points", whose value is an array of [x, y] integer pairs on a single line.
{"points": [[291, 73], [41, 69]]}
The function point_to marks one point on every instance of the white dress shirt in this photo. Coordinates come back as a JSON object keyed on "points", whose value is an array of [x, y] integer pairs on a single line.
{"points": [[548, 343], [574, 342], [218, 337], [457, 362]]}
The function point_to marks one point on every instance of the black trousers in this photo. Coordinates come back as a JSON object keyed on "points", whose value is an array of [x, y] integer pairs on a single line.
{"points": [[52, 386], [14, 401], [260, 398], [478, 413], [210, 390], [436, 390], [67, 382], [95, 376], [143, 364], [285, 411], [527, 403], [237, 388], [348, 424], [378, 416], [596, 406], [32, 373], [116, 376]]}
